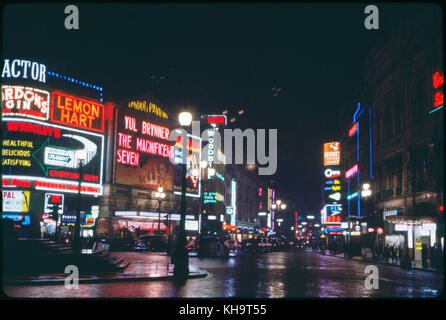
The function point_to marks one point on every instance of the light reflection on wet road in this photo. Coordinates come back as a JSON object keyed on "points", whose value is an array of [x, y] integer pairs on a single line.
{"points": [[271, 275]]}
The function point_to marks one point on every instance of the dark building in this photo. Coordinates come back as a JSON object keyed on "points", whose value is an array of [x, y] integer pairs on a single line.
{"points": [[403, 86]]}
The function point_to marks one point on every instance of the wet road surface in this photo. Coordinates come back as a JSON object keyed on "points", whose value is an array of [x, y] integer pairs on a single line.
{"points": [[270, 275]]}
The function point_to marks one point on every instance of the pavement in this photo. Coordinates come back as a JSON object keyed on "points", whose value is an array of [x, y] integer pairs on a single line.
{"points": [[416, 265], [154, 269], [297, 274]]}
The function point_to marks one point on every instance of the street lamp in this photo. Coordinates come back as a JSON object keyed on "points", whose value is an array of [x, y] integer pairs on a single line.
{"points": [[80, 155], [160, 195], [278, 205], [181, 261]]}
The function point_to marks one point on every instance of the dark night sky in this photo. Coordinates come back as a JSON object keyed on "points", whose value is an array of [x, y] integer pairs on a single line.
{"points": [[216, 57]]}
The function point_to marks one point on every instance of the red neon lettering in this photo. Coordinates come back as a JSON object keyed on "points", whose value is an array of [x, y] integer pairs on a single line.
{"points": [[124, 140], [155, 130], [438, 79], [33, 128], [127, 157], [77, 112], [438, 99], [130, 123]]}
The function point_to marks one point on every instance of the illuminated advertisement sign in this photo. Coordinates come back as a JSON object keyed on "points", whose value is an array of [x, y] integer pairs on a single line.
{"points": [[215, 119], [77, 112], [142, 225], [191, 225], [332, 173], [212, 197], [25, 102], [15, 201], [147, 107], [333, 209], [351, 171], [52, 199], [353, 129], [193, 172], [332, 153], [233, 201], [142, 153], [24, 69], [45, 156], [438, 83]]}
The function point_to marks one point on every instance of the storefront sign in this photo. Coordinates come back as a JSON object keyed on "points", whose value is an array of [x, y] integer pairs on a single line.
{"points": [[142, 225], [25, 102], [401, 227], [15, 201], [77, 112], [389, 213], [191, 225], [332, 153]]}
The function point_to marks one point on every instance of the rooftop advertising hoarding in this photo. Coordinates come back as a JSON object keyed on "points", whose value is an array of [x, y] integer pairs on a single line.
{"points": [[142, 146]]}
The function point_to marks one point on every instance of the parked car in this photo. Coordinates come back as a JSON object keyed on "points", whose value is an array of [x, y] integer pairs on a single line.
{"points": [[149, 243]]}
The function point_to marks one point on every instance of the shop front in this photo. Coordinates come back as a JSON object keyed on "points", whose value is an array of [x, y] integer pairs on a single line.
{"points": [[415, 234]]}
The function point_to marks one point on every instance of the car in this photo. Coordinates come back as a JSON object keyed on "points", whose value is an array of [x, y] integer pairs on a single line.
{"points": [[149, 243]]}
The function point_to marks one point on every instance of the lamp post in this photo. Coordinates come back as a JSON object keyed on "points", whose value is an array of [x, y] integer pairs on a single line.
{"points": [[181, 268], [278, 205], [160, 195], [81, 155]]}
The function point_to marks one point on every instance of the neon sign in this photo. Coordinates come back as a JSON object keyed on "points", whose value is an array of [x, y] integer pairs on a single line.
{"points": [[77, 112], [332, 153], [330, 173], [24, 68], [438, 82], [352, 196], [351, 171], [149, 107], [48, 156], [25, 102], [353, 129]]}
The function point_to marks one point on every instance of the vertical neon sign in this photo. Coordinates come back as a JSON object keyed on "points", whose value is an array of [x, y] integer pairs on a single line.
{"points": [[233, 201]]}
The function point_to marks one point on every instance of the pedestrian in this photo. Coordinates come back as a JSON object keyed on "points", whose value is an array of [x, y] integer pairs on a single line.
{"points": [[387, 253], [393, 253]]}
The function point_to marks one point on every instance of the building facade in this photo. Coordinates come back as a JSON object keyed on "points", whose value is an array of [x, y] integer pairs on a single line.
{"points": [[403, 86]]}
